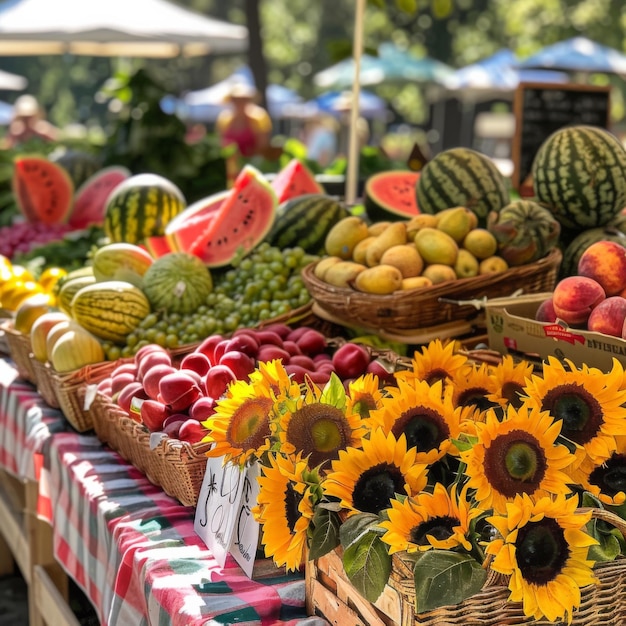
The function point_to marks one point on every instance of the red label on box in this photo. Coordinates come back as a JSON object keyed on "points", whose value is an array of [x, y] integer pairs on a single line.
{"points": [[563, 334]]}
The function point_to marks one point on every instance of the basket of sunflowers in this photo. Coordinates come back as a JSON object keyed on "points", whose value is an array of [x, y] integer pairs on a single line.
{"points": [[464, 492]]}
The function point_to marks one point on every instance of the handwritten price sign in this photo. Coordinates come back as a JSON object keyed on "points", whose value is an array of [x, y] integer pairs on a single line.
{"points": [[224, 519]]}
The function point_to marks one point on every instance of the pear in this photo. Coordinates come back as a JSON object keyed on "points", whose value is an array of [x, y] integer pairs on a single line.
{"points": [[377, 227], [435, 246], [423, 220], [406, 258], [393, 235], [381, 279], [360, 250], [343, 273], [321, 267], [493, 265], [344, 235], [416, 282], [456, 222], [481, 242], [466, 264], [439, 273]]}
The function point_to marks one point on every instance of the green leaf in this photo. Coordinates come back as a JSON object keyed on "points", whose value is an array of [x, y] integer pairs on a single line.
{"points": [[444, 578], [334, 393], [368, 565], [325, 534], [355, 526], [608, 547]]}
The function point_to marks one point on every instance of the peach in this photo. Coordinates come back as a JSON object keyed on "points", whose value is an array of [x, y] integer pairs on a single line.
{"points": [[545, 311], [605, 262], [574, 298], [608, 317], [351, 360]]}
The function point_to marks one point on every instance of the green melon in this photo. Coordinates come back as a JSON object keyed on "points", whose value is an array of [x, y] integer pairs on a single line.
{"points": [[579, 174], [462, 177], [305, 221], [178, 282]]}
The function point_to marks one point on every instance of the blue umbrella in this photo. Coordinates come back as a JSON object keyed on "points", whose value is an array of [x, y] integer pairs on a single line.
{"points": [[578, 54], [499, 72], [334, 103], [6, 113]]}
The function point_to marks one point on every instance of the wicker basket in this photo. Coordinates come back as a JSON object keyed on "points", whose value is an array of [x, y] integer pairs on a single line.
{"points": [[177, 467], [331, 595], [407, 311], [45, 383], [20, 350]]}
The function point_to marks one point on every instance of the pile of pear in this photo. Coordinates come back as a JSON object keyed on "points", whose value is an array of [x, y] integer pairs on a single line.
{"points": [[383, 257]]}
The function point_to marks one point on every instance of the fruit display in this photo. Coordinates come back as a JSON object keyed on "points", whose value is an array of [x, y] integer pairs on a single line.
{"points": [[384, 257], [305, 221], [293, 180], [595, 297], [578, 174], [79, 165], [390, 195], [120, 261], [22, 238], [462, 177], [140, 207]]}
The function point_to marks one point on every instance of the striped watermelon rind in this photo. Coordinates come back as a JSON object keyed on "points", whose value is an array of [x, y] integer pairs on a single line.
{"points": [[141, 207], [462, 177], [305, 221], [390, 195], [579, 174]]}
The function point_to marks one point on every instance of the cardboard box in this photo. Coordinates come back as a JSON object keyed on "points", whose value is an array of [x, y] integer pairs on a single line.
{"points": [[512, 329]]}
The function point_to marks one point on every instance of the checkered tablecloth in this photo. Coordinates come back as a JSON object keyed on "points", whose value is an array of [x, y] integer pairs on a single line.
{"points": [[128, 545]]}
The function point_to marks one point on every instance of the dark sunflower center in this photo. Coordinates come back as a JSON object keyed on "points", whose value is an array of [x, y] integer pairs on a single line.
{"points": [[580, 411], [424, 428], [376, 486], [292, 501], [512, 392], [440, 528], [249, 426], [515, 463], [541, 551], [475, 397], [610, 477], [435, 375], [320, 431]]}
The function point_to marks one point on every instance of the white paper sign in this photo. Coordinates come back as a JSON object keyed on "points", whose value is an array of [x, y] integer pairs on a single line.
{"points": [[246, 535], [218, 506]]}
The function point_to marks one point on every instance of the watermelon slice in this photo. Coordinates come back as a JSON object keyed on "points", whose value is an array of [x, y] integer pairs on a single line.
{"points": [[44, 190], [91, 198], [184, 226], [239, 224], [295, 179], [157, 246], [391, 195]]}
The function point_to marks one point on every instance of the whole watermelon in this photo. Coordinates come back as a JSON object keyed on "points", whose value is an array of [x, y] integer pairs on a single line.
{"points": [[579, 173], [462, 177]]}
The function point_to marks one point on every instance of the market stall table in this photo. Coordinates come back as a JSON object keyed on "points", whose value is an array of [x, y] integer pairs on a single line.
{"points": [[131, 548]]}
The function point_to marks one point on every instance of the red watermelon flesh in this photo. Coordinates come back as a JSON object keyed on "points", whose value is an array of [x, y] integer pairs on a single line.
{"points": [[183, 228], [295, 179], [157, 246], [91, 198], [391, 195], [44, 190], [242, 221]]}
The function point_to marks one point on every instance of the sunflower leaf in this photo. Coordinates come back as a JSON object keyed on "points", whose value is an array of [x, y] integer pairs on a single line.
{"points": [[608, 547], [355, 527], [368, 565], [334, 393], [325, 535], [443, 578]]}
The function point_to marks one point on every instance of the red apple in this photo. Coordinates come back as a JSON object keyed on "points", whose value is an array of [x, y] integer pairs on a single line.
{"points": [[147, 349], [124, 398], [245, 343], [270, 352], [120, 380], [192, 431], [202, 408], [303, 361], [179, 390], [312, 342], [292, 347], [351, 360], [207, 346], [153, 414], [217, 380], [282, 330], [240, 364], [197, 362], [152, 360], [265, 337]]}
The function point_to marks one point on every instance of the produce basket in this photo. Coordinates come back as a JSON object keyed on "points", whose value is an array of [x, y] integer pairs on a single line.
{"points": [[330, 594], [20, 350], [407, 311], [176, 466], [45, 383]]}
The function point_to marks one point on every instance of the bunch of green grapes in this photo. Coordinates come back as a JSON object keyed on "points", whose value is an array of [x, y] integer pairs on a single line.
{"points": [[260, 286]]}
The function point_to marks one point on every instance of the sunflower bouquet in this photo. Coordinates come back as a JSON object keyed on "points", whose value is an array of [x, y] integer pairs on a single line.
{"points": [[464, 469]]}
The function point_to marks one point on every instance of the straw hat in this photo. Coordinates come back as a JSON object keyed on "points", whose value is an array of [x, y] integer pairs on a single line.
{"points": [[241, 91], [26, 106]]}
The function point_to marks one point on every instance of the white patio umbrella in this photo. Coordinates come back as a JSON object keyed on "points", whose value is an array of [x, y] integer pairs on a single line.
{"points": [[134, 28], [12, 82]]}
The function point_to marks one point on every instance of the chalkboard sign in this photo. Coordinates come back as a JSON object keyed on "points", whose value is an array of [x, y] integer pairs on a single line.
{"points": [[542, 108]]}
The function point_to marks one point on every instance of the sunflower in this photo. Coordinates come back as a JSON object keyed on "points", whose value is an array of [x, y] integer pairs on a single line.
{"points": [[588, 401], [317, 424], [364, 395], [435, 361], [366, 480], [285, 509], [508, 381], [439, 520], [605, 480], [516, 455], [240, 425], [543, 549], [424, 414], [472, 386], [273, 375]]}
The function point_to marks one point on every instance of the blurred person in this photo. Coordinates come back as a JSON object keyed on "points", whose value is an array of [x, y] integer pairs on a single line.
{"points": [[321, 138], [244, 123], [29, 123]]}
